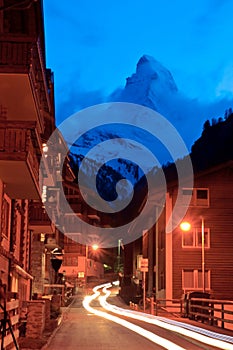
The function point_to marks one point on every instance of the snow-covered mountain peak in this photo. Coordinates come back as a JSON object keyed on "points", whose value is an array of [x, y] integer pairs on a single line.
{"points": [[148, 67], [148, 85]]}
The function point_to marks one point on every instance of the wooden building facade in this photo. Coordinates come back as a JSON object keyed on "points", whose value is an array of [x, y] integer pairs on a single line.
{"points": [[26, 123], [211, 206], [176, 257]]}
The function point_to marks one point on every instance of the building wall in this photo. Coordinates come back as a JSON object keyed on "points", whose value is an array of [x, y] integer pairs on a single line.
{"points": [[76, 267], [1, 198], [5, 221], [218, 220], [15, 241], [26, 122], [169, 250], [4, 267]]}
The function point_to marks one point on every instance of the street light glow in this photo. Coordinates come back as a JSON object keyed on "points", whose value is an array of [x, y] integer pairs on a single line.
{"points": [[185, 226], [95, 246]]}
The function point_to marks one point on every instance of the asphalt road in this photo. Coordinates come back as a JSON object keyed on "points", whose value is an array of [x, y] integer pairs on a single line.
{"points": [[83, 330]]}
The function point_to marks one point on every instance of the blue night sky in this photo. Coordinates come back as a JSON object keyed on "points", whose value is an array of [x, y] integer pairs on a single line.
{"points": [[93, 46]]}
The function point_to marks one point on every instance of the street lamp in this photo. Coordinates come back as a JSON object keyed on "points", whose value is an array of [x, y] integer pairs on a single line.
{"points": [[186, 226], [94, 247]]}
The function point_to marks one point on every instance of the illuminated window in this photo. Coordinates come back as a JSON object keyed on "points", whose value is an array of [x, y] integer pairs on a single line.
{"points": [[193, 238], [192, 279]]}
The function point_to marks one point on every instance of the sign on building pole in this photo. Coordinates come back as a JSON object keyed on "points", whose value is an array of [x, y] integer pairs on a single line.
{"points": [[144, 269]]}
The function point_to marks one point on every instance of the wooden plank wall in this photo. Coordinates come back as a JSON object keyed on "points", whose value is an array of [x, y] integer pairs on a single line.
{"points": [[219, 219]]}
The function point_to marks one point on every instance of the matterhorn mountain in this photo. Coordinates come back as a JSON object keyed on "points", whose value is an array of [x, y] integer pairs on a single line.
{"points": [[150, 86], [153, 86]]}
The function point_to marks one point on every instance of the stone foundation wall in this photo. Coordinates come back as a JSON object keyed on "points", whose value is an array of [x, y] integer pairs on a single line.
{"points": [[37, 314], [37, 266]]}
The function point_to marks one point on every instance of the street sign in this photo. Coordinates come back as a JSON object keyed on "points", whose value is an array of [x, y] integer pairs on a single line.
{"points": [[144, 265], [139, 258]]}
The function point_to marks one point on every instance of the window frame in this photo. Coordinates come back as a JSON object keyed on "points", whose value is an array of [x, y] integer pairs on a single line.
{"points": [[195, 201], [197, 280], [195, 232]]}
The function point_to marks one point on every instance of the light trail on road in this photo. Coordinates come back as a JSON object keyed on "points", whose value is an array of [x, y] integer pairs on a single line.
{"points": [[194, 333], [141, 331], [205, 339]]}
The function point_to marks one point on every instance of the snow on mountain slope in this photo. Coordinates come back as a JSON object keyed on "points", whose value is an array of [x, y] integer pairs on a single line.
{"points": [[151, 86]]}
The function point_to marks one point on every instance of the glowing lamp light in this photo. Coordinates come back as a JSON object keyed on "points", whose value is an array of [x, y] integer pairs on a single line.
{"points": [[95, 246], [185, 226], [45, 148]]}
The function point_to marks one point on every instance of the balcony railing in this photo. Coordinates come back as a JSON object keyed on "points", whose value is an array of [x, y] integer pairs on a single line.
{"points": [[20, 137], [24, 55], [12, 308], [38, 215], [20, 142]]}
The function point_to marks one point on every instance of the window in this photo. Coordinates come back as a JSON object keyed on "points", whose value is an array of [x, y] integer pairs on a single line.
{"points": [[199, 238], [6, 212], [202, 194], [199, 196], [193, 238], [188, 239], [188, 279], [192, 279], [75, 261]]}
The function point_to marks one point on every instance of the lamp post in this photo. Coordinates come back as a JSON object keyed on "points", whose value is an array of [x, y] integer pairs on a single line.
{"points": [[86, 257], [118, 267], [186, 226], [94, 247], [203, 252]]}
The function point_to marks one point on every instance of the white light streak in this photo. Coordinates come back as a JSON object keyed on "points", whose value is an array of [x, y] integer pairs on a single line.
{"points": [[139, 330], [154, 320]]}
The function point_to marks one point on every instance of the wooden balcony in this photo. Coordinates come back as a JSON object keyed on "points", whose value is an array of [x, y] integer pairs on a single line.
{"points": [[39, 220], [20, 155], [23, 83]]}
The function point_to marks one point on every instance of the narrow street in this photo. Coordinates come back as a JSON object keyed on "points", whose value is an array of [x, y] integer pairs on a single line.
{"points": [[85, 331], [96, 328]]}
